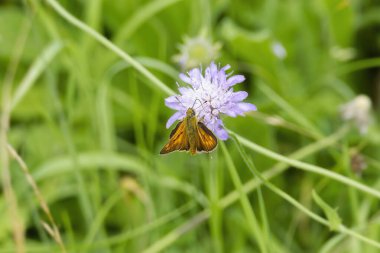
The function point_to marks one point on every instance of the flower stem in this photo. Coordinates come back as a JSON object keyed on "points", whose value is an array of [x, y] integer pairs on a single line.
{"points": [[111, 46], [305, 166], [292, 112], [168, 239], [244, 201], [343, 229]]}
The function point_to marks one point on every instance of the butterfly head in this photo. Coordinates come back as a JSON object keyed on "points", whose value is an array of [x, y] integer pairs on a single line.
{"points": [[190, 113]]}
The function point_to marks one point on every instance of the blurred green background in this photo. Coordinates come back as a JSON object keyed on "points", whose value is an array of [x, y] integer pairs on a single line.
{"points": [[89, 126]]}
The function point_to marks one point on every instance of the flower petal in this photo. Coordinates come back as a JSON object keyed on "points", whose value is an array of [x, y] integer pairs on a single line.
{"points": [[238, 96], [220, 132], [171, 99], [227, 67], [234, 80], [173, 103], [174, 117], [232, 113], [184, 90], [213, 68], [222, 77], [185, 78], [214, 73], [246, 107], [196, 77], [208, 72]]}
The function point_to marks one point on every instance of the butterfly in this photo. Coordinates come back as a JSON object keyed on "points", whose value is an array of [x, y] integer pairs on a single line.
{"points": [[190, 135]]}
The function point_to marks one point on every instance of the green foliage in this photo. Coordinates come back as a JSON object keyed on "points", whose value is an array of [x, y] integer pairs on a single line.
{"points": [[88, 119], [331, 213]]}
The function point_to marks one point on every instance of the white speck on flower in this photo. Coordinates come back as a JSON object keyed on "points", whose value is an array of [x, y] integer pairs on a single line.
{"points": [[279, 50], [210, 95], [358, 111], [196, 51]]}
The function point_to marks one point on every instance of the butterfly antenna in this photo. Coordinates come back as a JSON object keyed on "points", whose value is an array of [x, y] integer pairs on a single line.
{"points": [[198, 100], [194, 103], [201, 105]]}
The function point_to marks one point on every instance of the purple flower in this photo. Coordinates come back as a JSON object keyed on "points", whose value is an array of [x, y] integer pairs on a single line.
{"points": [[210, 95]]}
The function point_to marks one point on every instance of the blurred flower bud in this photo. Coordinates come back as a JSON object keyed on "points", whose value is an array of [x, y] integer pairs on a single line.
{"points": [[196, 51], [358, 111]]}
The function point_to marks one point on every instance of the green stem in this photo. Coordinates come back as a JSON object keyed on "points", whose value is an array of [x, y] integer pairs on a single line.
{"points": [[298, 205], [139, 17], [108, 44], [291, 111], [244, 201], [35, 71], [216, 210], [305, 166], [233, 196], [358, 65]]}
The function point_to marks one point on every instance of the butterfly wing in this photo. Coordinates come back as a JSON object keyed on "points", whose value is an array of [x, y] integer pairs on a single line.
{"points": [[178, 139], [206, 140]]}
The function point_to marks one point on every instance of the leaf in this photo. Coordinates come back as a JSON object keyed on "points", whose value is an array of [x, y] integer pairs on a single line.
{"points": [[253, 46], [332, 215]]}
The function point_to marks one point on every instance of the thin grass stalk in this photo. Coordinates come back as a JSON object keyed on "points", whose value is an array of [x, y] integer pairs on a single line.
{"points": [[9, 194], [111, 46], [248, 187], [212, 178], [307, 167], [257, 233], [54, 231], [343, 229]]}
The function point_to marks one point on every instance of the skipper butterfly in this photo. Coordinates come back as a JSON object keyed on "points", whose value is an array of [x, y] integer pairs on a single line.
{"points": [[190, 135]]}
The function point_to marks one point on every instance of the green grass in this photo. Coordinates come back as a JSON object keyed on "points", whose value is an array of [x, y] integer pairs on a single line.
{"points": [[83, 85]]}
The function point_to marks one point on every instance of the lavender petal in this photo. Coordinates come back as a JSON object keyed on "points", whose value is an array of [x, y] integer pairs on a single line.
{"points": [[238, 96], [235, 80], [173, 103], [184, 90], [246, 107], [175, 117], [230, 111], [220, 132], [227, 67], [185, 78], [196, 77]]}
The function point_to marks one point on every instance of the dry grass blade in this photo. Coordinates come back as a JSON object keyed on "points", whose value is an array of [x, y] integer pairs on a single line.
{"points": [[53, 229], [10, 197], [48, 229]]}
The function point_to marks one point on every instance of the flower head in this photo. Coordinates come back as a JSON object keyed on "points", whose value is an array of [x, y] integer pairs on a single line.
{"points": [[210, 95], [358, 111], [196, 51]]}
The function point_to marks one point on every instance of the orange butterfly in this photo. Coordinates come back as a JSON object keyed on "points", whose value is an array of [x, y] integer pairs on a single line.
{"points": [[190, 135]]}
